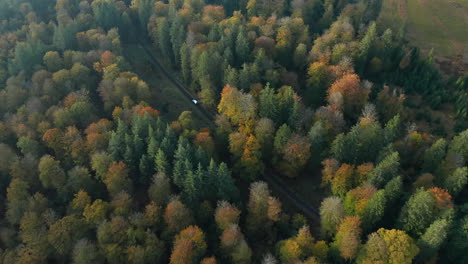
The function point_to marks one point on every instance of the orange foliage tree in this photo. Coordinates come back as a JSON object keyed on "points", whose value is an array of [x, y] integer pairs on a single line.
{"points": [[177, 216], [347, 238], [354, 96], [226, 214], [356, 199], [189, 246], [442, 197]]}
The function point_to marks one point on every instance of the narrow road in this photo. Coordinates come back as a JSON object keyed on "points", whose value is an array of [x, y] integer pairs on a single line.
{"points": [[275, 181], [183, 90]]}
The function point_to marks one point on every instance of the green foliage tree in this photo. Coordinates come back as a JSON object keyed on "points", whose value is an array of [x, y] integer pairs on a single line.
{"points": [[459, 144], [434, 155], [418, 213], [456, 181], [106, 13], [65, 232], [50, 173], [17, 200], [85, 251], [375, 210], [331, 215], [386, 170], [433, 238]]}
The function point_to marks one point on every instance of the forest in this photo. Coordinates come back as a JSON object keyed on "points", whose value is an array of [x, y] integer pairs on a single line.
{"points": [[178, 131]]}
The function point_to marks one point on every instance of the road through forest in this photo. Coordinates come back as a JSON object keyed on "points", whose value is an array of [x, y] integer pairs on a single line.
{"points": [[275, 182]]}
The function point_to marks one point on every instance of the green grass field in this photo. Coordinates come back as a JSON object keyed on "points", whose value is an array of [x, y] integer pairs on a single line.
{"points": [[438, 24]]}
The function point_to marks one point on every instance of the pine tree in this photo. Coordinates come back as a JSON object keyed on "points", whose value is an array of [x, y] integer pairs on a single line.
{"points": [[268, 106], [145, 167], [365, 46], [144, 8], [242, 47], [392, 129], [161, 162], [225, 185], [106, 13], [185, 62], [163, 35], [231, 76], [281, 138], [191, 189], [117, 142]]}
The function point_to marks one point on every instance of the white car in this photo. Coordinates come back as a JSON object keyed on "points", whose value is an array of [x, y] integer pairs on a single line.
{"points": [[194, 101]]}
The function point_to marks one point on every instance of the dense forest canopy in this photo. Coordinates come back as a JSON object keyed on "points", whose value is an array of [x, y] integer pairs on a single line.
{"points": [[97, 165]]}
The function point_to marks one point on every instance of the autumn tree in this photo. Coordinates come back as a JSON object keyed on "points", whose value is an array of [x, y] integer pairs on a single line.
{"points": [[53, 61], [234, 245], [189, 246], [80, 201], [117, 179], [96, 212], [258, 207], [388, 246], [65, 232], [237, 106], [296, 154], [17, 200], [177, 216], [251, 163], [79, 178], [356, 200], [160, 189], [100, 163], [265, 132], [85, 251], [443, 199], [354, 95], [331, 215], [289, 251], [319, 78], [51, 174], [347, 238], [226, 214]]}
